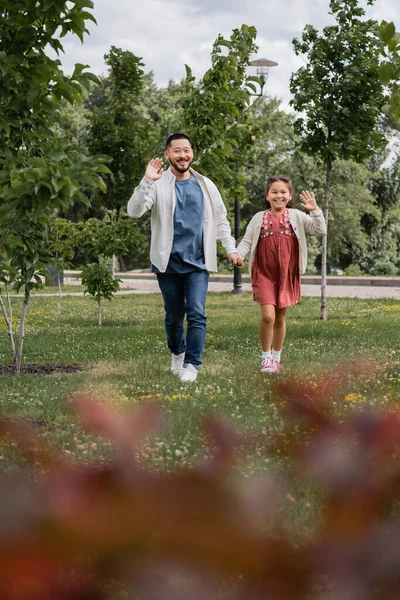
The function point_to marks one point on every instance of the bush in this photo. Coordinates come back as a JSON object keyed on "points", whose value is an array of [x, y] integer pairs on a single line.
{"points": [[99, 283], [385, 268], [353, 271]]}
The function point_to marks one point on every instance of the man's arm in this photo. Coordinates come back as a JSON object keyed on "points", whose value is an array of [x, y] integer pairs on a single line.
{"points": [[144, 194]]}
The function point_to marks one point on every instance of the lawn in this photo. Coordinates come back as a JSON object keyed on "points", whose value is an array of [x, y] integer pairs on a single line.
{"points": [[128, 363]]}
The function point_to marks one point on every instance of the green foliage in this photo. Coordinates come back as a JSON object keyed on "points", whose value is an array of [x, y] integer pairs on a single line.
{"points": [[105, 237], [26, 255], [383, 226], [352, 271], [33, 83], [271, 153], [164, 106], [30, 258], [46, 182], [29, 195], [114, 235], [389, 70], [99, 281], [385, 268], [119, 127], [352, 205], [63, 238], [215, 111], [338, 91], [74, 122], [37, 171], [94, 239]]}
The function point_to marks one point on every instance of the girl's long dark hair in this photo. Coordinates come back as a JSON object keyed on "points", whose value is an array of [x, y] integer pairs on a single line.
{"points": [[286, 180]]}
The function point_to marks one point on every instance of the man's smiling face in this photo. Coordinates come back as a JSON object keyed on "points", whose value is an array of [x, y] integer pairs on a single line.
{"points": [[179, 155]]}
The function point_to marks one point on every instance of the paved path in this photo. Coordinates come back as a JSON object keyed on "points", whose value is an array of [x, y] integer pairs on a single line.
{"points": [[148, 284], [143, 287], [344, 291]]}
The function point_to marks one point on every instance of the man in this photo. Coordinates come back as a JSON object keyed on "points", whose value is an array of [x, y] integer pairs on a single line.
{"points": [[187, 218]]}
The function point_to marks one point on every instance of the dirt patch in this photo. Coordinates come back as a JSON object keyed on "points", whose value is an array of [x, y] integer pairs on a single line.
{"points": [[43, 369]]}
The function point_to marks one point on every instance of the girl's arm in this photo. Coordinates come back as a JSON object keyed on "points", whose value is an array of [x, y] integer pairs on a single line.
{"points": [[314, 222]]}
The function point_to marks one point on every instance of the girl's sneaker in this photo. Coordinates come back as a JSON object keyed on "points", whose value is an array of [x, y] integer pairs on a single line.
{"points": [[277, 366], [267, 365]]}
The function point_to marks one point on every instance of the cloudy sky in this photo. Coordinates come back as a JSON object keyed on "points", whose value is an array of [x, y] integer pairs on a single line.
{"points": [[169, 33]]}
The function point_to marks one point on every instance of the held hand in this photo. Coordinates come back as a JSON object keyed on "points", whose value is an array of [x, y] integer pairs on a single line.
{"points": [[236, 259], [308, 200], [154, 169]]}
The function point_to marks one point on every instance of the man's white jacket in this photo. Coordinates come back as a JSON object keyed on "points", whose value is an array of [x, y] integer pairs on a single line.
{"points": [[159, 197]]}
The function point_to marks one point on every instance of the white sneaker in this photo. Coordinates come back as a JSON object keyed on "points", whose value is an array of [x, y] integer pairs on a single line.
{"points": [[177, 363], [189, 373]]}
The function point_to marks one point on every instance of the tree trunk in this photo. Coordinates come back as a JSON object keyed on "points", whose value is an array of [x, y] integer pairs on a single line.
{"points": [[8, 322], [327, 189], [113, 265], [18, 356], [99, 311], [124, 267], [59, 294]]}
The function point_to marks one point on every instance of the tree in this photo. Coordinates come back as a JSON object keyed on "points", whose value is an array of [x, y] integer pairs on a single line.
{"points": [[164, 106], [62, 241], [104, 239], [381, 254], [215, 111], [353, 206], [271, 152], [340, 96], [120, 127], [99, 283], [38, 172], [389, 71]]}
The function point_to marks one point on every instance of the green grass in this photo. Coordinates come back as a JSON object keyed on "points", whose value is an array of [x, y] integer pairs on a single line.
{"points": [[129, 364]]}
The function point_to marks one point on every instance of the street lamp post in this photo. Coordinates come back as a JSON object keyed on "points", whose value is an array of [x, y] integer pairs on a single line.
{"points": [[263, 65]]}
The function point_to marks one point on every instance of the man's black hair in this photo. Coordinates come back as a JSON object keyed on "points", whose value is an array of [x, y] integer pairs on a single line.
{"points": [[176, 136]]}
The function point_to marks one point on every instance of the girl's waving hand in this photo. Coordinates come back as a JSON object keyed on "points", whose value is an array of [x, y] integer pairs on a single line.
{"points": [[308, 200]]}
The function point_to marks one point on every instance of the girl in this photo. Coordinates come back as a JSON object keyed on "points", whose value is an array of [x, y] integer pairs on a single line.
{"points": [[278, 255]]}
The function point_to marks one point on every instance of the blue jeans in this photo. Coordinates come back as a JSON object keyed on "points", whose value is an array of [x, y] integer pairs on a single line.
{"points": [[185, 293]]}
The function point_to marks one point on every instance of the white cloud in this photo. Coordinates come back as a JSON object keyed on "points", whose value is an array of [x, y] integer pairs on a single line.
{"points": [[169, 33]]}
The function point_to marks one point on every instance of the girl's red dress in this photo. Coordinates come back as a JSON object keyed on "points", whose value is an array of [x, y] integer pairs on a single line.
{"points": [[275, 271]]}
